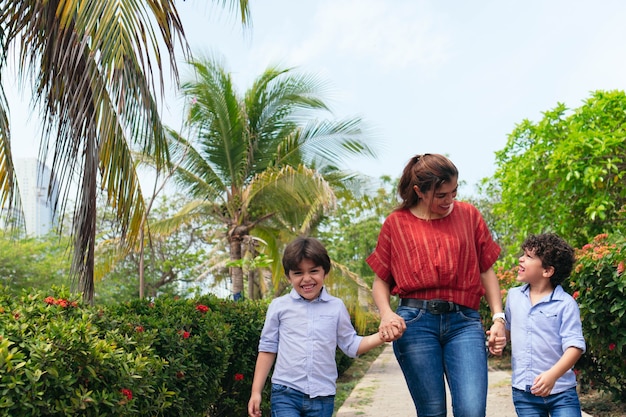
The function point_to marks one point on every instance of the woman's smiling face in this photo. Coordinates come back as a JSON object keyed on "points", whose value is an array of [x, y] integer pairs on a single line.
{"points": [[440, 202]]}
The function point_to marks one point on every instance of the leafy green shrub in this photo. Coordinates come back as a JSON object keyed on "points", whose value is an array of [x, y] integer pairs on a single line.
{"points": [[244, 320], [167, 357], [52, 362], [599, 285], [192, 340]]}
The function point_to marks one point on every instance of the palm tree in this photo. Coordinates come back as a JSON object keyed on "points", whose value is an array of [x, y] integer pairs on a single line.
{"points": [[91, 65], [255, 161]]}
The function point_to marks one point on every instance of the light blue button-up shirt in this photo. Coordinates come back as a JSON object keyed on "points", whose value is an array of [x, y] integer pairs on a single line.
{"points": [[305, 335], [540, 334]]}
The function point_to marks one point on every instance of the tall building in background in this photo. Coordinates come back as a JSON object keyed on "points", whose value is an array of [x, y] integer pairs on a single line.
{"points": [[34, 179]]}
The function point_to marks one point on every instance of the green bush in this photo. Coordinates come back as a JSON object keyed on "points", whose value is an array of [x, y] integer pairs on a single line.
{"points": [[599, 286], [244, 320], [192, 340], [53, 362], [166, 357]]}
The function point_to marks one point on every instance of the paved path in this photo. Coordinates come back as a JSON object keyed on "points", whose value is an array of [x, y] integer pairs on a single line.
{"points": [[382, 392]]}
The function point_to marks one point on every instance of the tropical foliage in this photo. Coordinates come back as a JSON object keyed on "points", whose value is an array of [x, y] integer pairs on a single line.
{"points": [[565, 173], [261, 164], [171, 260], [33, 262], [599, 286], [94, 67]]}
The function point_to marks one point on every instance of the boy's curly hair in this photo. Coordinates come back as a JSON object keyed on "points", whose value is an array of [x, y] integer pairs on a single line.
{"points": [[554, 252]]}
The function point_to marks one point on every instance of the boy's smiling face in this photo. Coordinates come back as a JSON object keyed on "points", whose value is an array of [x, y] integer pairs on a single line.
{"points": [[531, 268], [307, 279]]}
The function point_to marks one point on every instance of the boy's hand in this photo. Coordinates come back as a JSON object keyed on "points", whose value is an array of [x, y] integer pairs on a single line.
{"points": [[254, 405], [497, 338], [543, 384]]}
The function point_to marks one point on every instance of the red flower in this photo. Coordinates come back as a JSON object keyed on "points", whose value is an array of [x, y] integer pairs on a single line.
{"points": [[575, 295], [612, 346], [127, 393], [62, 303], [202, 308], [50, 300], [620, 268], [139, 329], [238, 377], [185, 334]]}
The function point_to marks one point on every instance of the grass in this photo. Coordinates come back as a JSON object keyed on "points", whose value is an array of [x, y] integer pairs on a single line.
{"points": [[595, 403]]}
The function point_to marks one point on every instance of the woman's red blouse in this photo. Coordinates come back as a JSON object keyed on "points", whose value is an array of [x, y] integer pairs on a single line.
{"points": [[438, 259]]}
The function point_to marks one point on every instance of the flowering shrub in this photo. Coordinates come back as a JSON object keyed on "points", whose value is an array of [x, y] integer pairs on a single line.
{"points": [[54, 362], [194, 347], [599, 286], [166, 357]]}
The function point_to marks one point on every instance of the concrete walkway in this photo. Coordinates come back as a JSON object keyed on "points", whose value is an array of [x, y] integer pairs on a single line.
{"points": [[382, 392]]}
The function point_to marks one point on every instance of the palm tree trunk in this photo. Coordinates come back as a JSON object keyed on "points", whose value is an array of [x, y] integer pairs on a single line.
{"points": [[85, 230], [236, 272]]}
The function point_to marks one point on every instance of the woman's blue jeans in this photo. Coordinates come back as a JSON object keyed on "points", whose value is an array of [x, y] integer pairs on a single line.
{"points": [[288, 402], [563, 404], [450, 344]]}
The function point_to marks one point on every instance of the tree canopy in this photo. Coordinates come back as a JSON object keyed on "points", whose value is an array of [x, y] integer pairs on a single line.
{"points": [[564, 174]]}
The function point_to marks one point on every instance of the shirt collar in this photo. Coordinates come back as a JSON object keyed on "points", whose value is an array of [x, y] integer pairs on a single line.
{"points": [[324, 296], [558, 293]]}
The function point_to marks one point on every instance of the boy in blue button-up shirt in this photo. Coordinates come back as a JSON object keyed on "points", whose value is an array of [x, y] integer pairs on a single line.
{"points": [[545, 330], [302, 331]]}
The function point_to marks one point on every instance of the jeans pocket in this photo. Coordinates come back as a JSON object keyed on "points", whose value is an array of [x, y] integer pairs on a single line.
{"points": [[410, 314], [469, 314], [278, 389]]}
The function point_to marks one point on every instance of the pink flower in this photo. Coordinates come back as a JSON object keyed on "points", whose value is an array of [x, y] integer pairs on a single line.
{"points": [[620, 268], [238, 377], [612, 346], [202, 308]]}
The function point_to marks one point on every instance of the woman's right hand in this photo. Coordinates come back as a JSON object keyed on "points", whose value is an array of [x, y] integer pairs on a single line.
{"points": [[391, 327]]}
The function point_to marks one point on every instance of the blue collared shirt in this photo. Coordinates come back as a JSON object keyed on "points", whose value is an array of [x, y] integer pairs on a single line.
{"points": [[305, 335], [540, 334]]}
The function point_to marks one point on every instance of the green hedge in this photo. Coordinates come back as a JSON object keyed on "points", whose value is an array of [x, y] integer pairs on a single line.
{"points": [[167, 357]]}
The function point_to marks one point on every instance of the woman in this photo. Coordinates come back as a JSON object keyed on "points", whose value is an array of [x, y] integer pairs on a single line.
{"points": [[437, 256]]}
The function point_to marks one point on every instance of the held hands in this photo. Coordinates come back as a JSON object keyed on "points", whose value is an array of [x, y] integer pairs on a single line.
{"points": [[497, 338], [391, 327]]}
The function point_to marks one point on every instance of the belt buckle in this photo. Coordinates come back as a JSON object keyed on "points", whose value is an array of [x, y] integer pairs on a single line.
{"points": [[438, 307]]}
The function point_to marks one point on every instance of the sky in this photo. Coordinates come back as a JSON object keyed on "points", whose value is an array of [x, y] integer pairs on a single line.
{"points": [[426, 76]]}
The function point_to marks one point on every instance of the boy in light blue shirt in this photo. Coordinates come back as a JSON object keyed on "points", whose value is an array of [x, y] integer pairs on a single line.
{"points": [[545, 330], [301, 333]]}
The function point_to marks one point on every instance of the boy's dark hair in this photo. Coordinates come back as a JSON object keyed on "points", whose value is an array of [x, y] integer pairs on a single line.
{"points": [[305, 248], [554, 252]]}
